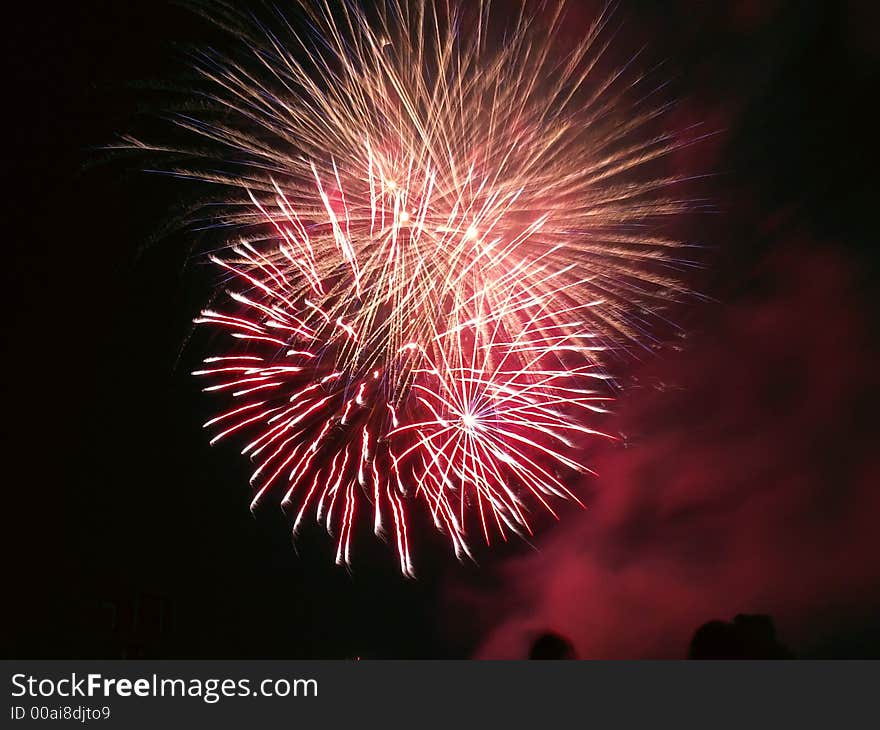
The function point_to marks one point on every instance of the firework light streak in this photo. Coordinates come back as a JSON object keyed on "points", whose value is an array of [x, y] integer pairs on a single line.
{"points": [[436, 234]]}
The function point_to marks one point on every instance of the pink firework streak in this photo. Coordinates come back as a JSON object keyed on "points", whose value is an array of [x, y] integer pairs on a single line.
{"points": [[479, 418], [437, 230]]}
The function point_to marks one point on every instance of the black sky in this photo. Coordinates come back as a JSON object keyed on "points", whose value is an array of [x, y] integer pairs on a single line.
{"points": [[130, 537]]}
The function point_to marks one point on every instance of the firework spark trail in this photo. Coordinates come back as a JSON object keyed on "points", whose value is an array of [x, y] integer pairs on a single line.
{"points": [[434, 126], [472, 427], [437, 233]]}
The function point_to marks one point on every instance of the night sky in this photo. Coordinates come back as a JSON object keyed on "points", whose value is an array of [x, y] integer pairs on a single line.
{"points": [[747, 481]]}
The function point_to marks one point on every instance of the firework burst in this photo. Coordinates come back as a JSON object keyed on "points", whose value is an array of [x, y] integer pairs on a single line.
{"points": [[435, 232]]}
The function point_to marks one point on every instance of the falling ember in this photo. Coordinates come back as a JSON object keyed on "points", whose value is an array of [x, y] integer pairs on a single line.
{"points": [[436, 239]]}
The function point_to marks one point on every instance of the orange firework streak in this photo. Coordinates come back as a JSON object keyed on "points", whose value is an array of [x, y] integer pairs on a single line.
{"points": [[438, 235]]}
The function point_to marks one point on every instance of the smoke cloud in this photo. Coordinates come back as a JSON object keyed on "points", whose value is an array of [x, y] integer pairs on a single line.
{"points": [[746, 483]]}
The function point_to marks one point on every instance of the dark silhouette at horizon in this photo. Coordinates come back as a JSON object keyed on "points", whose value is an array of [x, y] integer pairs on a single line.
{"points": [[550, 645], [746, 637]]}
